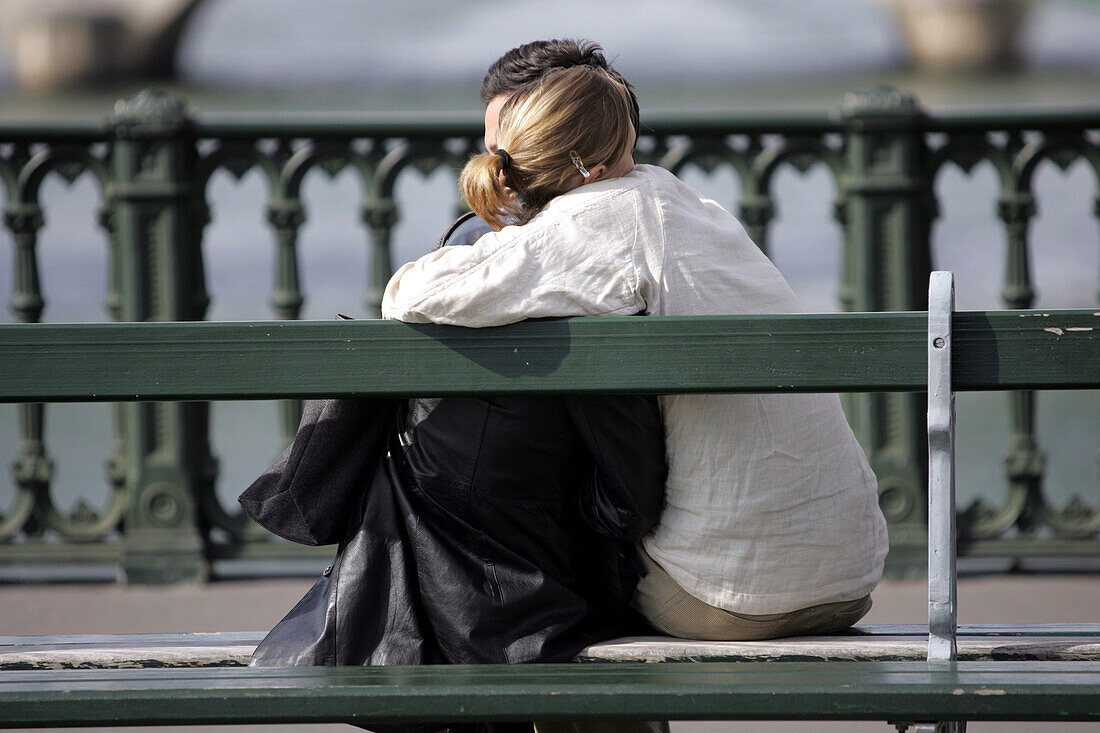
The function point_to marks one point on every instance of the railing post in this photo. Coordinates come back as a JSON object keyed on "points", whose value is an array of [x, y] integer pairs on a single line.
{"points": [[886, 196], [380, 215], [286, 216], [153, 204], [32, 468]]}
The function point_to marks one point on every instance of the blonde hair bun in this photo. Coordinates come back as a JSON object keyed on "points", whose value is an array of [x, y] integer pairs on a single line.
{"points": [[577, 113]]}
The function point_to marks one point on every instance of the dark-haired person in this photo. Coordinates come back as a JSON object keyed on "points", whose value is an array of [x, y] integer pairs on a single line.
{"points": [[528, 63], [520, 66], [483, 530], [771, 525]]}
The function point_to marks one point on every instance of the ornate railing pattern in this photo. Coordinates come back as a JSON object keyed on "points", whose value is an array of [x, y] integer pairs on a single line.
{"points": [[153, 163], [1015, 151]]}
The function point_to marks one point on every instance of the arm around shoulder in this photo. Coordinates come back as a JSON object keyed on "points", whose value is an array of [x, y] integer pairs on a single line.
{"points": [[473, 286], [517, 273]]}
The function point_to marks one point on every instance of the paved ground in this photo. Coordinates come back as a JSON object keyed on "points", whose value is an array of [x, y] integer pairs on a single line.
{"points": [[253, 605]]}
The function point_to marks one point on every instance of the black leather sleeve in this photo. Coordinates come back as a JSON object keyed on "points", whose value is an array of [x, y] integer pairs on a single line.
{"points": [[308, 493], [625, 435]]}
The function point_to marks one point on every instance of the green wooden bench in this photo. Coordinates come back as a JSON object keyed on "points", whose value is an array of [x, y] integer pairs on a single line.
{"points": [[917, 674]]}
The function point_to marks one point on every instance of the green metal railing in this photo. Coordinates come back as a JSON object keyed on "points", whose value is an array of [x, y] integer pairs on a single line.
{"points": [[153, 163]]}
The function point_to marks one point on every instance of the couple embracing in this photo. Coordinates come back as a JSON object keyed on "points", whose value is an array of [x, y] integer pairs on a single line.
{"points": [[522, 529]]}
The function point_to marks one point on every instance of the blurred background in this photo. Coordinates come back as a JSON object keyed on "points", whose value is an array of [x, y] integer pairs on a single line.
{"points": [[427, 54]]}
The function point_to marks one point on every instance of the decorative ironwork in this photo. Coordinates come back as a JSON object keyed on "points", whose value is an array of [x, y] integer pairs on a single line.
{"points": [[1015, 153], [153, 164], [34, 513]]}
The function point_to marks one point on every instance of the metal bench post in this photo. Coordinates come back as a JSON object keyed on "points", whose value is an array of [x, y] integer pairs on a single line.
{"points": [[942, 617]]}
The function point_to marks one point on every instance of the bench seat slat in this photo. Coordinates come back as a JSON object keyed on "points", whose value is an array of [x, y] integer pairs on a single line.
{"points": [[794, 691], [254, 637], [843, 648], [280, 359], [881, 643]]}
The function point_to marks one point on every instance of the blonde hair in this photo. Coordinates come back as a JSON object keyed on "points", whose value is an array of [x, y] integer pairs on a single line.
{"points": [[581, 110]]}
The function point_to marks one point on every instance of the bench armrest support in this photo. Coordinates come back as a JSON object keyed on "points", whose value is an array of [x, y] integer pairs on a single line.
{"points": [[942, 617]]}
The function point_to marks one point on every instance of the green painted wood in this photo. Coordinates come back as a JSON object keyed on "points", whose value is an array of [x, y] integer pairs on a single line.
{"points": [[833, 352], [638, 691]]}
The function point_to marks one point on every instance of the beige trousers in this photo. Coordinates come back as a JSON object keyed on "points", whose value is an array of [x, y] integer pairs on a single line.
{"points": [[671, 609]]}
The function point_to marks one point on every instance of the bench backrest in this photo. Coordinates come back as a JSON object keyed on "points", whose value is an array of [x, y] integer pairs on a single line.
{"points": [[940, 352], [850, 352]]}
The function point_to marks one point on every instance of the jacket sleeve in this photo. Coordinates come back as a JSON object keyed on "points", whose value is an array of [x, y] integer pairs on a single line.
{"points": [[625, 435], [310, 491], [510, 275]]}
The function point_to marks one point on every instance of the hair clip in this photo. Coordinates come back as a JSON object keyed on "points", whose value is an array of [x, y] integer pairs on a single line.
{"points": [[580, 165]]}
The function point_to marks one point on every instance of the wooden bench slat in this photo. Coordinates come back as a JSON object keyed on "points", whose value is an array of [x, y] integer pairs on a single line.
{"points": [[204, 638], [245, 637], [805, 352], [843, 648], [866, 643], [792, 691]]}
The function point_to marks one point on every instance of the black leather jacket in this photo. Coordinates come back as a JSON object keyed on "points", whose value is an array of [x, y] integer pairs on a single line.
{"points": [[486, 530], [490, 531]]}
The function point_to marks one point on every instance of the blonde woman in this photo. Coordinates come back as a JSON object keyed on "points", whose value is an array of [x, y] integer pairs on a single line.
{"points": [[771, 525]]}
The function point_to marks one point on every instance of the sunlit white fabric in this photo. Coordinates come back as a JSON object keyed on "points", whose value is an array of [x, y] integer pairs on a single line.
{"points": [[771, 505]]}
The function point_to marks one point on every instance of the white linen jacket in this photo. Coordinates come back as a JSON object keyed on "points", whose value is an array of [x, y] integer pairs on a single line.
{"points": [[770, 504]]}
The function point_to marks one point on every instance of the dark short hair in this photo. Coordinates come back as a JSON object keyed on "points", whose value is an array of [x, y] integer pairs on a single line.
{"points": [[530, 61]]}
